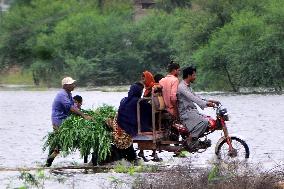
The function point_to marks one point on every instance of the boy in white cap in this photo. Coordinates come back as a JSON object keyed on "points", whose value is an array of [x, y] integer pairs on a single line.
{"points": [[62, 107]]}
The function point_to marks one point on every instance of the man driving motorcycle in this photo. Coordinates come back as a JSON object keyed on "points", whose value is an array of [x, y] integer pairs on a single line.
{"points": [[195, 122]]}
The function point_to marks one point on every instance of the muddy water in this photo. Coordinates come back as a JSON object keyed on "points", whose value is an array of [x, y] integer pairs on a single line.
{"points": [[25, 120]]}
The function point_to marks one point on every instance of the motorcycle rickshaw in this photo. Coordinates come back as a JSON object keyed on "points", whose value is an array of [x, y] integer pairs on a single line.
{"points": [[170, 135]]}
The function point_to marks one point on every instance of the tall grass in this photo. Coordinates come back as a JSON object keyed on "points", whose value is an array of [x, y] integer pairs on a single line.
{"points": [[219, 176]]}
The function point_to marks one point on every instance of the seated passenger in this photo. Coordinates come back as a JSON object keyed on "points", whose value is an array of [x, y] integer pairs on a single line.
{"points": [[149, 82], [124, 127], [158, 77], [127, 117], [127, 111], [158, 89], [146, 108], [169, 86]]}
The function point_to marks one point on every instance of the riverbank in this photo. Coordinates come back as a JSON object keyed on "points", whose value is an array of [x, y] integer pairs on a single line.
{"points": [[16, 87], [16, 79], [233, 175], [125, 88], [218, 176]]}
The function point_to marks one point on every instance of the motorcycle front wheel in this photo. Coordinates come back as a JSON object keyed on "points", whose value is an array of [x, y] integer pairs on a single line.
{"points": [[240, 150]]}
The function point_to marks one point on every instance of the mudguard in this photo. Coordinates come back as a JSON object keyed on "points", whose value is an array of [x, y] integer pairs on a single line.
{"points": [[218, 143]]}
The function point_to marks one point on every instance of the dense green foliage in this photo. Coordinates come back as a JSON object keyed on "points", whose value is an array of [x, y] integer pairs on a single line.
{"points": [[234, 44], [248, 51], [76, 133]]}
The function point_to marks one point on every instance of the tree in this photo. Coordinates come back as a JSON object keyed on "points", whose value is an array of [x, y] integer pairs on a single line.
{"points": [[154, 40], [22, 25], [224, 9], [93, 46], [245, 51], [170, 5], [193, 30]]}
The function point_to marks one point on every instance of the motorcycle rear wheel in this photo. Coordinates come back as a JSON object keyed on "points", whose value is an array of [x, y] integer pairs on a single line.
{"points": [[240, 152]]}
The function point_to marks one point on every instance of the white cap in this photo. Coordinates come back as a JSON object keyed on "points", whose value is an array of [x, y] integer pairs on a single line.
{"points": [[67, 80]]}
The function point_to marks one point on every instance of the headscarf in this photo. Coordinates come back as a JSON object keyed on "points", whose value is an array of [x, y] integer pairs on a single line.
{"points": [[127, 111], [135, 90], [149, 83]]}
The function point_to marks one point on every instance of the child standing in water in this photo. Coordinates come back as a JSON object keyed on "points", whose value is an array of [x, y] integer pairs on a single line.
{"points": [[78, 101]]}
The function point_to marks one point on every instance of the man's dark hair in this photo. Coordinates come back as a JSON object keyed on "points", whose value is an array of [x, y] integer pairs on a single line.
{"points": [[158, 77], [78, 98], [188, 71], [173, 66]]}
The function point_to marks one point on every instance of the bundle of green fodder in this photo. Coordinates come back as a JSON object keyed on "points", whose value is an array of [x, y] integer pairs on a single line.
{"points": [[87, 136]]}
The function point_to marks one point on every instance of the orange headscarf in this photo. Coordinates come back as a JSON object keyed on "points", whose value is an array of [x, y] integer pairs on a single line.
{"points": [[149, 83]]}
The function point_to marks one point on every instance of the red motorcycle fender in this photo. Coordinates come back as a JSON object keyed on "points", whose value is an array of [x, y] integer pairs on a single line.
{"points": [[218, 143]]}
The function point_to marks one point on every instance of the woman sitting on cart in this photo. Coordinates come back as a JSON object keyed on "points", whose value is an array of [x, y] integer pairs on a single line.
{"points": [[127, 126], [146, 108], [127, 111]]}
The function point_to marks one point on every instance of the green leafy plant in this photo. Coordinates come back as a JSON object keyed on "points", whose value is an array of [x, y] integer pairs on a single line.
{"points": [[33, 179], [131, 169], [183, 154], [76, 133], [213, 174]]}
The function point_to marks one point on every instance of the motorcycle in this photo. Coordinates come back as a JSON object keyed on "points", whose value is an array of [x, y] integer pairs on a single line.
{"points": [[172, 136], [226, 147]]}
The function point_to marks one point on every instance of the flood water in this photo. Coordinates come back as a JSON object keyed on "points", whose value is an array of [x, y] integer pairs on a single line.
{"points": [[25, 120]]}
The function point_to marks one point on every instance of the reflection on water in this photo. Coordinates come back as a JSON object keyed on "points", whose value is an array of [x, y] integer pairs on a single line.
{"points": [[25, 120]]}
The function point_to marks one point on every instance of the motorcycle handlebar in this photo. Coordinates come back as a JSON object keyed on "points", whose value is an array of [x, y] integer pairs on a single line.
{"points": [[214, 104]]}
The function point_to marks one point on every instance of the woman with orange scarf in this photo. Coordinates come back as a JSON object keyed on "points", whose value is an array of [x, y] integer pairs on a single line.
{"points": [[149, 82], [146, 115]]}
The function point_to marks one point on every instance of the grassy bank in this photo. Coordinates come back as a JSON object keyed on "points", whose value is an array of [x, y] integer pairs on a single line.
{"points": [[12, 78], [123, 175], [16, 78], [229, 176]]}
